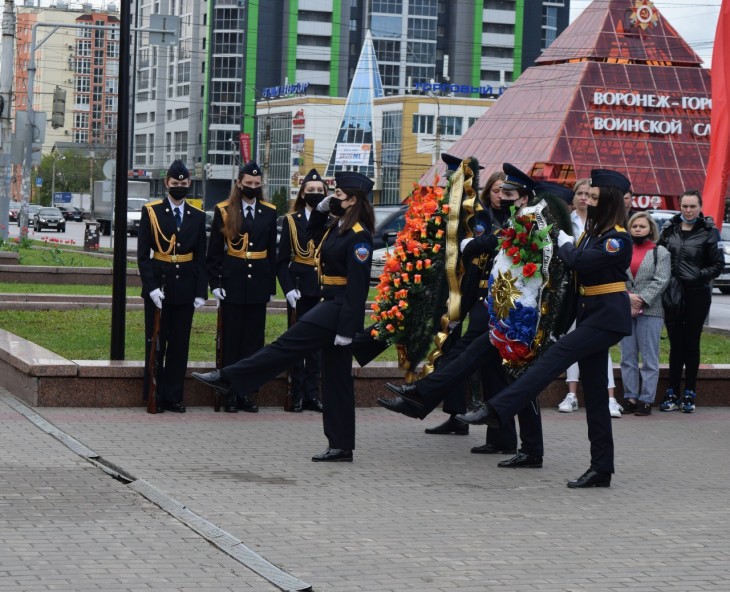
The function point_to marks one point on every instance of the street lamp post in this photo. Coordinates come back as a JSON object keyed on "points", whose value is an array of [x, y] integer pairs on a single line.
{"points": [[53, 174], [437, 129]]}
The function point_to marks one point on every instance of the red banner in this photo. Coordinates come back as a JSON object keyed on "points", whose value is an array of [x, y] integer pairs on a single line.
{"points": [[245, 143], [718, 166]]}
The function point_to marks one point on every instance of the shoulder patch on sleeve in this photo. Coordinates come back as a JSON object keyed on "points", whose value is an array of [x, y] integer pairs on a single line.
{"points": [[613, 245], [357, 227], [157, 202], [267, 204], [362, 252], [620, 228], [222, 205]]}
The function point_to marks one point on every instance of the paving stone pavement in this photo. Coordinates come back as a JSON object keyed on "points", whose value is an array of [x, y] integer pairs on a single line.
{"points": [[413, 512]]}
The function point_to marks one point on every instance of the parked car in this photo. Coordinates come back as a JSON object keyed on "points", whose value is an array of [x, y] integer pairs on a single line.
{"points": [[661, 217], [389, 220], [134, 214], [32, 211], [722, 282], [13, 213], [208, 221], [72, 213], [376, 269], [51, 218]]}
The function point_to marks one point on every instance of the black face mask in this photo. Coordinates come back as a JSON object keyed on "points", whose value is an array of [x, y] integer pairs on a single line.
{"points": [[592, 212], [251, 192], [336, 208], [313, 199], [178, 193], [506, 204], [639, 240]]}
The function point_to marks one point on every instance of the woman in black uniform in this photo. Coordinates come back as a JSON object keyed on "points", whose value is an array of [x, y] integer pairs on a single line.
{"points": [[600, 261], [344, 257], [297, 273]]}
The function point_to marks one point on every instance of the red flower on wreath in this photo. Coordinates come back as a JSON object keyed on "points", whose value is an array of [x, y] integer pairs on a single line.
{"points": [[529, 270]]}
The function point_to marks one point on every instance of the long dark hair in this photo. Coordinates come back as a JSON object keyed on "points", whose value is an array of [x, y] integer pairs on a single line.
{"points": [[232, 225], [361, 211], [485, 196], [611, 212]]}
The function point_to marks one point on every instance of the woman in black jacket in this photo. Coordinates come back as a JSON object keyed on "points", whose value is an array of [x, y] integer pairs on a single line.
{"points": [[694, 245]]}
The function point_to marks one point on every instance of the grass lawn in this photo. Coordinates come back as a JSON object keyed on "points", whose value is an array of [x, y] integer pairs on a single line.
{"points": [[85, 334], [22, 288]]}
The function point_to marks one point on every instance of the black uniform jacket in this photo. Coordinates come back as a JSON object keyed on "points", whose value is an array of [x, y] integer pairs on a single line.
{"points": [[697, 258], [245, 280], [347, 255], [478, 257], [602, 260], [183, 280], [290, 269]]}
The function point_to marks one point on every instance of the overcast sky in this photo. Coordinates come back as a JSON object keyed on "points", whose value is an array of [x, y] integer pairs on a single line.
{"points": [[695, 21]]}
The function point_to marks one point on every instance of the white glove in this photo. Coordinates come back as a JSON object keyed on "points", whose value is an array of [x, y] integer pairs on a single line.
{"points": [[292, 296], [219, 293], [157, 297], [324, 205], [340, 340], [563, 238], [465, 242], [198, 302]]}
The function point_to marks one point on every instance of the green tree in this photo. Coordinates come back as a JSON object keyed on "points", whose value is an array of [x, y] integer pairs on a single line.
{"points": [[281, 200], [72, 173]]}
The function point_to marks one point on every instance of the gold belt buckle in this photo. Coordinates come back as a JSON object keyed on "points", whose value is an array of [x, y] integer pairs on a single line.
{"points": [[173, 258], [582, 291], [248, 254]]}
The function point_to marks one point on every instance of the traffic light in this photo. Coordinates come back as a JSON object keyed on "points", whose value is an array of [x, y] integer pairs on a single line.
{"points": [[58, 114]]}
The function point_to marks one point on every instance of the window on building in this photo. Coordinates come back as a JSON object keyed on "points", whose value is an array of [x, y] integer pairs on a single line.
{"points": [[313, 41], [111, 85], [491, 51], [498, 28], [112, 50], [386, 26], [391, 150], [472, 121], [549, 25], [390, 75], [388, 6], [451, 126], [387, 51], [81, 120], [181, 146], [140, 118], [500, 5], [421, 28], [83, 66], [423, 8], [315, 16], [422, 124], [418, 52], [140, 149]]}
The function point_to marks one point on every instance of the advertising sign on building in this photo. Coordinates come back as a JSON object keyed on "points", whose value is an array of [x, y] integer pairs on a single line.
{"points": [[352, 154], [245, 145], [62, 197]]}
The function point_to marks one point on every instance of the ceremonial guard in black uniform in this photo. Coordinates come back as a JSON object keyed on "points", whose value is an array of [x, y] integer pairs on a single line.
{"points": [[344, 258], [242, 271], [474, 351], [171, 257], [296, 269], [599, 260]]}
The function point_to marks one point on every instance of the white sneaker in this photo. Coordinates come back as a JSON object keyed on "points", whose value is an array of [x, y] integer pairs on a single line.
{"points": [[569, 404], [614, 407]]}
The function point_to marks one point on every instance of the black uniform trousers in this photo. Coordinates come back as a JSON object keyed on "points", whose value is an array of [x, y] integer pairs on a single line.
{"points": [[247, 375], [684, 338], [589, 347], [244, 331], [480, 354], [176, 321], [305, 373], [492, 377]]}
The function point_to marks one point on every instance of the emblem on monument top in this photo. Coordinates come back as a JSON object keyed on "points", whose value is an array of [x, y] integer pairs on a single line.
{"points": [[643, 15]]}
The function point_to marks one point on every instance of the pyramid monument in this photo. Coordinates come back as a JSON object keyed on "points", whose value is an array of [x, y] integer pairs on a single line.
{"points": [[354, 148], [618, 89]]}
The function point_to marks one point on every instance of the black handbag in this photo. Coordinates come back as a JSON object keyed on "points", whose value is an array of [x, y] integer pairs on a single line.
{"points": [[673, 299]]}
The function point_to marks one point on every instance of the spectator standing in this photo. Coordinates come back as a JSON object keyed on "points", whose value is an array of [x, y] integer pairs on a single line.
{"points": [[648, 276], [693, 242]]}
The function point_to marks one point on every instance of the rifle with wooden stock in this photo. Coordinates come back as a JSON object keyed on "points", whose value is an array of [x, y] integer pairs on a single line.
{"points": [[218, 353], [289, 398], [154, 363]]}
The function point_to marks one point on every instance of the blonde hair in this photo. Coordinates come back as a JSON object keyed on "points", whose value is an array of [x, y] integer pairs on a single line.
{"points": [[653, 228]]}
